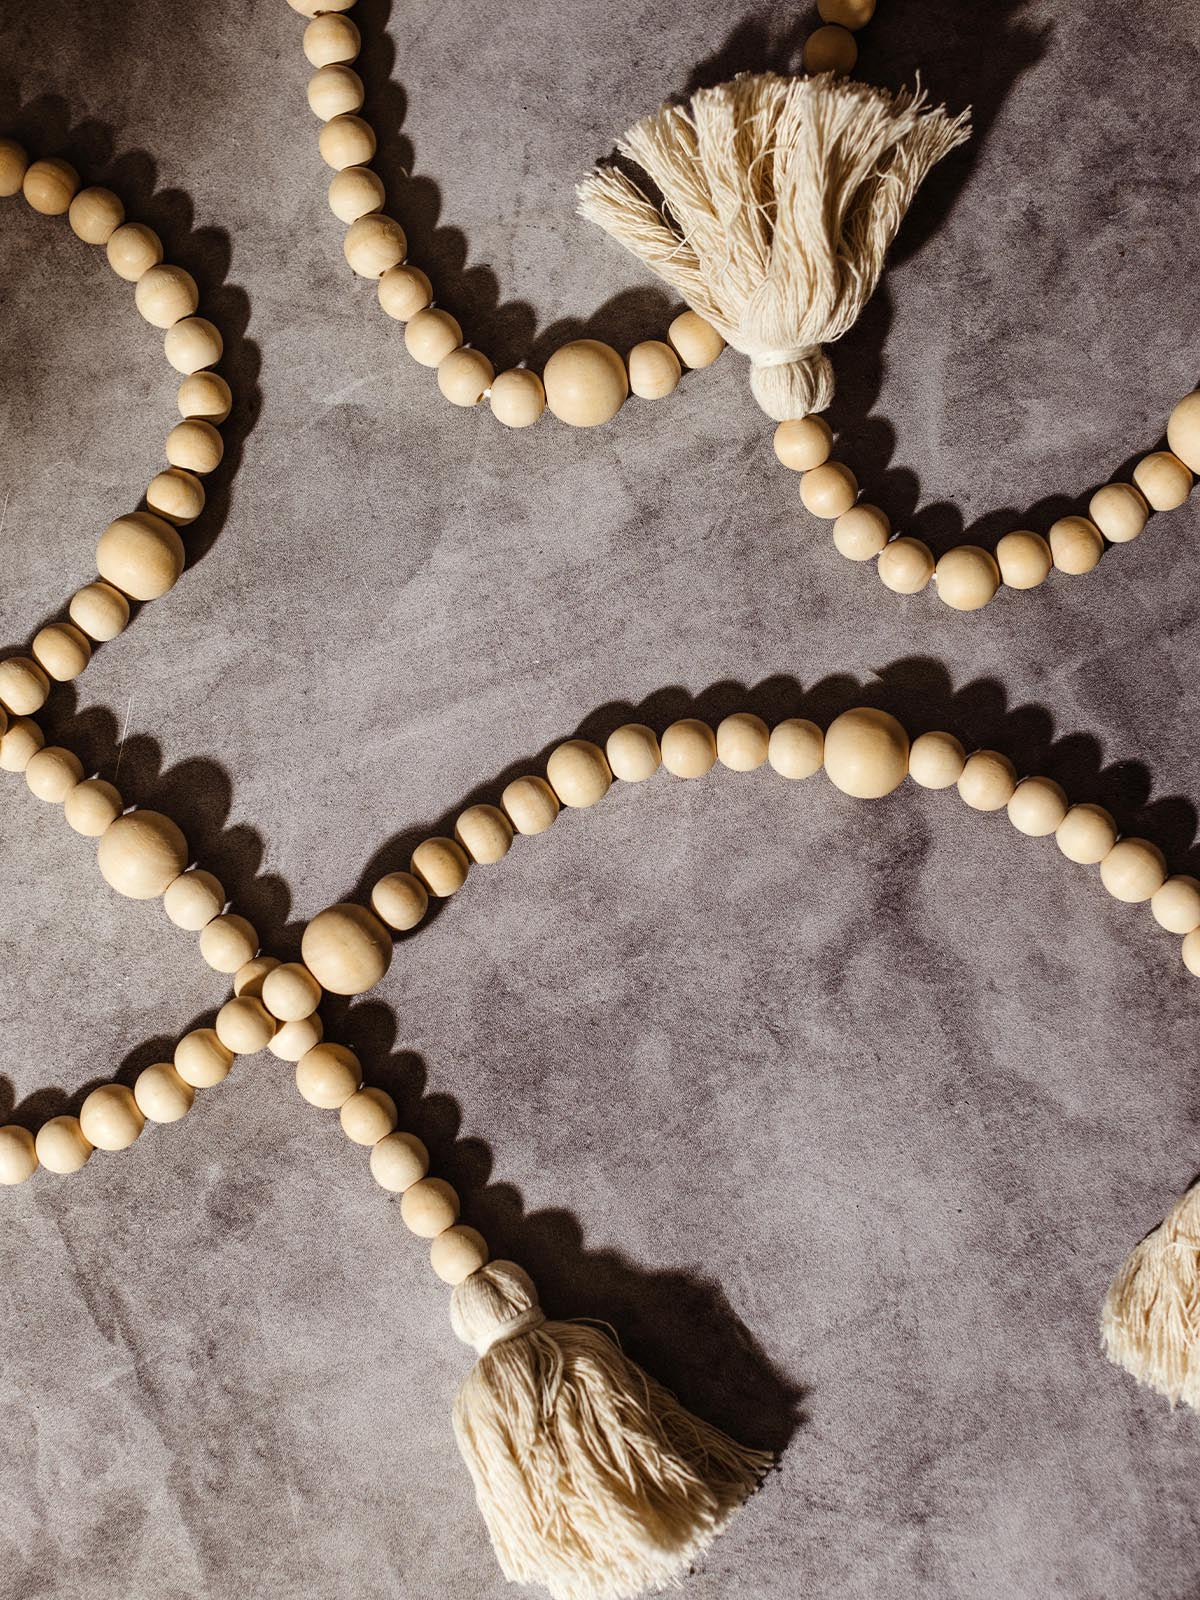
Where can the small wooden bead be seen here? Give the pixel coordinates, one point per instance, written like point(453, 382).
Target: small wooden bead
point(1075, 544)
point(176, 496)
point(161, 1094)
point(356, 192)
point(743, 741)
point(335, 90)
point(1119, 511)
point(346, 142)
point(13, 165)
point(201, 1059)
point(485, 833)
point(967, 577)
point(936, 760)
point(695, 341)
point(228, 942)
point(654, 370)
point(346, 949)
point(398, 1161)
point(866, 753)
point(578, 772)
point(403, 291)
point(463, 376)
point(585, 383)
point(244, 1025)
point(429, 1207)
point(95, 214)
point(193, 344)
point(847, 13)
point(1190, 950)
point(531, 804)
point(330, 39)
point(18, 1154)
point(1133, 869)
point(632, 752)
point(796, 748)
point(457, 1253)
point(368, 1116)
point(373, 244)
point(517, 398)
point(293, 1040)
point(61, 1146)
point(165, 295)
point(110, 1117)
point(1037, 807)
point(92, 806)
point(140, 853)
point(252, 975)
point(328, 1075)
point(803, 443)
point(50, 185)
point(905, 566)
point(987, 781)
point(430, 335)
point(101, 611)
point(1176, 905)
point(400, 899)
point(1163, 479)
point(1024, 559)
point(23, 686)
point(205, 395)
point(193, 900)
point(1086, 834)
point(830, 49)
point(52, 773)
point(132, 250)
point(861, 533)
point(19, 742)
point(62, 650)
point(291, 993)
point(1183, 431)
point(194, 445)
point(140, 554)
point(829, 490)
point(689, 748)
point(311, 8)
point(441, 865)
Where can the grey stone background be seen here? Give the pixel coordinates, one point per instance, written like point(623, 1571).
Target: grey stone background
point(844, 1116)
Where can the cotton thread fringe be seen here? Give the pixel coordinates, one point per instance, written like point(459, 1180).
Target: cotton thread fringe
point(1150, 1324)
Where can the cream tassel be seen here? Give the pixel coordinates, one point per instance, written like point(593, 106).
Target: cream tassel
point(592, 1478)
point(1151, 1319)
point(780, 198)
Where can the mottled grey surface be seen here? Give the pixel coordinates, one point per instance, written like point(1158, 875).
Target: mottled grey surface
point(844, 1116)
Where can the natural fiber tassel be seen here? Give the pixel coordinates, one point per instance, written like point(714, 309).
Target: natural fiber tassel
point(1151, 1319)
point(592, 1478)
point(780, 198)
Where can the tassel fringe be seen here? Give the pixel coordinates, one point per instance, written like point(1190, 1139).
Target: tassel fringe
point(1150, 1324)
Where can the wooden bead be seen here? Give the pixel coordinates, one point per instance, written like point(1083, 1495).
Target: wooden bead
point(803, 443)
point(429, 1207)
point(330, 39)
point(132, 249)
point(373, 244)
point(328, 1075)
point(193, 900)
point(368, 1116)
point(866, 753)
point(252, 975)
point(585, 383)
point(829, 490)
point(517, 398)
point(463, 376)
point(311, 8)
point(161, 1094)
point(176, 496)
point(13, 165)
point(696, 342)
point(1024, 559)
point(1163, 479)
point(430, 336)
point(403, 291)
point(194, 445)
point(335, 90)
point(1119, 511)
point(18, 1154)
point(141, 555)
point(165, 295)
point(485, 833)
point(346, 949)
point(632, 752)
point(346, 142)
point(19, 742)
point(140, 853)
point(1086, 834)
point(796, 748)
point(987, 781)
point(193, 344)
point(1075, 544)
point(689, 748)
point(52, 773)
point(847, 13)
point(290, 992)
point(1133, 869)
point(861, 533)
point(743, 741)
point(101, 611)
point(905, 566)
point(457, 1253)
point(441, 865)
point(355, 192)
point(1190, 951)
point(110, 1118)
point(830, 49)
point(400, 899)
point(531, 804)
point(95, 214)
point(92, 806)
point(228, 942)
point(61, 1146)
point(205, 395)
point(967, 577)
point(1037, 807)
point(293, 1040)
point(62, 651)
point(398, 1161)
point(654, 370)
point(578, 772)
point(936, 760)
point(23, 686)
point(1176, 905)
point(1183, 431)
point(244, 1025)
point(201, 1059)
point(50, 185)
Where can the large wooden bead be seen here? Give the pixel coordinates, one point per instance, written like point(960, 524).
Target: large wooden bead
point(405, 290)
point(579, 773)
point(193, 344)
point(330, 39)
point(1119, 511)
point(632, 752)
point(866, 753)
point(253, 974)
point(429, 1207)
point(1086, 834)
point(346, 142)
point(355, 192)
point(165, 295)
point(335, 90)
point(1037, 807)
point(585, 383)
point(796, 748)
point(862, 532)
point(485, 833)
point(398, 1161)
point(936, 760)
point(1176, 905)
point(101, 611)
point(654, 370)
point(95, 214)
point(1133, 869)
point(92, 806)
point(205, 395)
point(23, 686)
point(290, 992)
point(194, 445)
point(695, 341)
point(18, 1154)
point(905, 565)
point(531, 804)
point(13, 166)
point(201, 1059)
point(803, 443)
point(517, 398)
point(244, 1025)
point(457, 1253)
point(743, 741)
point(110, 1118)
point(193, 900)
point(62, 650)
point(430, 336)
point(227, 942)
point(400, 899)
point(829, 490)
point(689, 748)
point(328, 1075)
point(50, 185)
point(967, 577)
point(19, 743)
point(176, 496)
point(1075, 544)
point(987, 781)
point(368, 1116)
point(830, 49)
point(847, 13)
point(441, 865)
point(373, 244)
point(61, 1146)
point(293, 1040)
point(463, 376)
point(346, 949)
point(161, 1094)
point(52, 773)
point(141, 555)
point(140, 854)
point(1163, 479)
point(1024, 559)
point(1183, 431)
point(132, 250)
